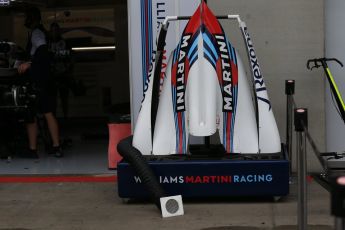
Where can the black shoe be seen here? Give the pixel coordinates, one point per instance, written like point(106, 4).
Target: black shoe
point(31, 153)
point(57, 151)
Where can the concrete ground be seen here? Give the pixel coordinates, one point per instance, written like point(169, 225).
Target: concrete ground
point(96, 206)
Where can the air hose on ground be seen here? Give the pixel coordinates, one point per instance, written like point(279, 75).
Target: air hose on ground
point(140, 166)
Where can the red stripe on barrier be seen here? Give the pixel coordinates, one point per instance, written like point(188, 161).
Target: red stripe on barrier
point(56, 179)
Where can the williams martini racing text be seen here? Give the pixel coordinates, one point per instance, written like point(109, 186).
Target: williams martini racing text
point(209, 179)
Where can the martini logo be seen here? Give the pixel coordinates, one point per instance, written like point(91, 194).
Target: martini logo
point(211, 179)
point(259, 81)
point(226, 73)
point(180, 76)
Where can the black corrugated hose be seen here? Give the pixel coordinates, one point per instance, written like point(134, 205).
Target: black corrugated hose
point(140, 166)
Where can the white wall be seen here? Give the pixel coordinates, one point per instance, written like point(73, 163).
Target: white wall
point(285, 34)
point(335, 47)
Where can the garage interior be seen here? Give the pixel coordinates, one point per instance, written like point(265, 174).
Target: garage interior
point(100, 90)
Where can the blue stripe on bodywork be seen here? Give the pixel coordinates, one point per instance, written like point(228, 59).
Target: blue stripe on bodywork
point(194, 58)
point(193, 53)
point(143, 45)
point(224, 129)
point(146, 46)
point(183, 134)
point(235, 91)
point(235, 57)
point(210, 44)
point(193, 48)
point(206, 47)
point(209, 57)
point(177, 51)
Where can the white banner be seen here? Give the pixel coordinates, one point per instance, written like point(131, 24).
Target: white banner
point(144, 17)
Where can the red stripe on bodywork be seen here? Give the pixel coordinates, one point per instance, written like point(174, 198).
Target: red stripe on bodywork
point(234, 70)
point(186, 67)
point(210, 20)
point(194, 23)
point(147, 37)
point(228, 134)
point(219, 71)
point(180, 143)
point(57, 179)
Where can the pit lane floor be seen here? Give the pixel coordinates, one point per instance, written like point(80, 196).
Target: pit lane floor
point(86, 206)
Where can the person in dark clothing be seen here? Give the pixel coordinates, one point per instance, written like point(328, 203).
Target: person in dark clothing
point(62, 66)
point(38, 69)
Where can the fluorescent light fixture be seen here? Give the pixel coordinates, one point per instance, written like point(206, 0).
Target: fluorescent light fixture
point(4, 2)
point(93, 48)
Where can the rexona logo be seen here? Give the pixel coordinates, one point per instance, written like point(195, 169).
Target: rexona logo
point(260, 86)
point(225, 179)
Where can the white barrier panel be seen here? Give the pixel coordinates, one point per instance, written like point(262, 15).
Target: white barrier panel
point(144, 17)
